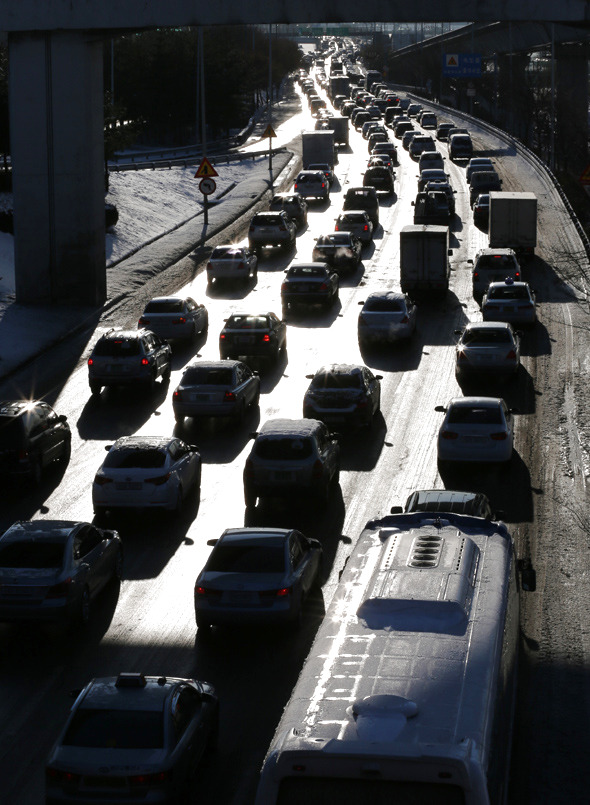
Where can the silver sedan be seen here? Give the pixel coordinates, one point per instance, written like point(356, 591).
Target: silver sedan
point(386, 316)
point(175, 318)
point(216, 388)
point(487, 348)
point(476, 430)
point(509, 301)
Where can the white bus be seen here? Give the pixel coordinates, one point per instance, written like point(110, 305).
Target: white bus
point(407, 696)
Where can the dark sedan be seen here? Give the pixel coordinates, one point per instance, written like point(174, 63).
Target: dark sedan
point(341, 250)
point(309, 284)
point(260, 335)
point(52, 570)
point(343, 395)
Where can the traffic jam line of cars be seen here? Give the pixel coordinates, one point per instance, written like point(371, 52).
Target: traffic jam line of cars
point(53, 570)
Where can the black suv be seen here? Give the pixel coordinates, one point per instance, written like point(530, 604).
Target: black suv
point(293, 204)
point(126, 357)
point(32, 436)
point(363, 198)
point(379, 178)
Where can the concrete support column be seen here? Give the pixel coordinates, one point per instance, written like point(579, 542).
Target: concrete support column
point(514, 100)
point(56, 132)
point(571, 106)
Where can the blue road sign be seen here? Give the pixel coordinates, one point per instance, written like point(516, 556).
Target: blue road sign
point(462, 65)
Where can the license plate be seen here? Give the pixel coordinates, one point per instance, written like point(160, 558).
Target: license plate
point(115, 368)
point(199, 397)
point(240, 597)
point(282, 475)
point(245, 339)
point(474, 439)
point(105, 782)
point(20, 592)
point(128, 485)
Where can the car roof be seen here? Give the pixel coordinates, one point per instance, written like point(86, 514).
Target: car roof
point(346, 213)
point(39, 530)
point(487, 252)
point(103, 693)
point(205, 364)
point(340, 369)
point(124, 334)
point(511, 284)
point(480, 402)
point(289, 427)
point(143, 442)
point(168, 299)
point(17, 407)
point(488, 325)
point(234, 535)
point(386, 295)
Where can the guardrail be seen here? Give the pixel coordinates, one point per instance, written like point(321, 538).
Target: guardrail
point(193, 160)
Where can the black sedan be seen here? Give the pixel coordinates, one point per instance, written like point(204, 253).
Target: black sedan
point(308, 284)
point(253, 335)
point(341, 250)
point(343, 395)
point(52, 570)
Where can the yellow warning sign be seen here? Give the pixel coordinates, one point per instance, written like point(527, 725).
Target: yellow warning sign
point(269, 131)
point(452, 60)
point(205, 170)
point(585, 177)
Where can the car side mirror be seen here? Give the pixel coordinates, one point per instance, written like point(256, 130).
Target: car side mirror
point(396, 510)
point(413, 203)
point(360, 303)
point(253, 435)
point(107, 447)
point(440, 408)
point(378, 377)
point(309, 377)
point(515, 410)
point(212, 542)
point(470, 262)
point(62, 418)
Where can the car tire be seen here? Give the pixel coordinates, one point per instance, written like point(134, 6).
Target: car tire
point(118, 574)
point(100, 515)
point(36, 471)
point(178, 418)
point(178, 503)
point(166, 374)
point(250, 498)
point(83, 615)
point(256, 400)
point(95, 388)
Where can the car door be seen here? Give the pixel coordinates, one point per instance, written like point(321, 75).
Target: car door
point(508, 416)
point(90, 549)
point(183, 465)
point(40, 439)
point(371, 385)
point(303, 565)
point(246, 383)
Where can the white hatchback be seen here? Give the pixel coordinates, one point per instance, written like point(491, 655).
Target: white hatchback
point(476, 429)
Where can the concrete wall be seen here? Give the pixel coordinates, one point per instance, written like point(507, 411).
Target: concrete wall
point(19, 15)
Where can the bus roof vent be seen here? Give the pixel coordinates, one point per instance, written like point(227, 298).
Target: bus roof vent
point(425, 584)
point(382, 717)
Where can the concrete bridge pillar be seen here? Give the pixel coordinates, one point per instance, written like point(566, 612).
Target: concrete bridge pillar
point(571, 106)
point(514, 110)
point(56, 132)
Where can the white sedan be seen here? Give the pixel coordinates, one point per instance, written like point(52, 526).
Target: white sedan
point(476, 429)
point(146, 472)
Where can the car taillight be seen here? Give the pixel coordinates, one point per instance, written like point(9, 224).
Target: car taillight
point(499, 437)
point(366, 228)
point(90, 362)
point(180, 320)
point(284, 286)
point(59, 590)
point(282, 228)
point(461, 356)
point(207, 591)
point(295, 186)
point(266, 338)
point(511, 355)
point(229, 396)
point(176, 395)
point(101, 480)
point(361, 404)
point(475, 275)
point(158, 480)
point(318, 469)
point(405, 320)
point(517, 276)
point(241, 264)
point(222, 336)
point(449, 434)
point(336, 228)
point(143, 322)
point(324, 286)
point(156, 778)
point(323, 184)
point(61, 777)
point(209, 266)
point(251, 228)
point(145, 362)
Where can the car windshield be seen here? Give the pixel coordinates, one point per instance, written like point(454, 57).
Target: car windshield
point(307, 271)
point(476, 415)
point(116, 729)
point(247, 558)
point(486, 336)
point(11, 432)
point(143, 458)
point(117, 348)
point(508, 292)
point(384, 305)
point(337, 381)
point(352, 219)
point(247, 323)
point(165, 306)
point(202, 376)
point(267, 220)
point(38, 555)
point(286, 448)
point(226, 252)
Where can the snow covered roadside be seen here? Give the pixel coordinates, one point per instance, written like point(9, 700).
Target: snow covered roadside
point(160, 208)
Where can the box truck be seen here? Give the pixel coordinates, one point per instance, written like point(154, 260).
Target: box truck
point(424, 258)
point(317, 147)
point(513, 222)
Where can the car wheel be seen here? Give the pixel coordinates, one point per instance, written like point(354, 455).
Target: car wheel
point(249, 498)
point(95, 388)
point(83, 616)
point(179, 418)
point(203, 626)
point(179, 501)
point(118, 574)
point(166, 374)
point(36, 471)
point(256, 401)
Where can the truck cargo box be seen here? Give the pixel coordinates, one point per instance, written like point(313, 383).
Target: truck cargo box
point(317, 147)
point(424, 258)
point(513, 222)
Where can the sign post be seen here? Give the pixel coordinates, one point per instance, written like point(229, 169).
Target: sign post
point(206, 172)
point(270, 133)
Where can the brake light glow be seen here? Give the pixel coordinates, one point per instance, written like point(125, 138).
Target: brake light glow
point(229, 396)
point(266, 338)
point(283, 592)
point(142, 322)
point(324, 286)
point(366, 228)
point(158, 480)
point(222, 337)
point(449, 434)
point(176, 394)
point(59, 590)
point(499, 437)
point(180, 320)
point(207, 591)
point(157, 778)
point(101, 480)
point(145, 362)
point(90, 362)
point(58, 776)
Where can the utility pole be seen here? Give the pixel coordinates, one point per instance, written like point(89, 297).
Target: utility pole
point(270, 100)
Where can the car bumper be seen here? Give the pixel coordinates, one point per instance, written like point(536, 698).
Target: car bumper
point(121, 379)
point(172, 332)
point(207, 409)
point(227, 615)
point(55, 795)
point(164, 497)
point(305, 299)
point(385, 335)
point(53, 611)
point(487, 369)
point(512, 317)
point(485, 452)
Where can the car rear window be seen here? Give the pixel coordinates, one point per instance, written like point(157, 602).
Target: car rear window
point(38, 555)
point(267, 220)
point(226, 252)
point(384, 305)
point(117, 348)
point(464, 415)
point(247, 323)
point(307, 271)
point(508, 292)
point(495, 261)
point(200, 376)
point(239, 558)
point(116, 729)
point(286, 448)
point(487, 337)
point(12, 432)
point(165, 306)
point(337, 381)
point(129, 457)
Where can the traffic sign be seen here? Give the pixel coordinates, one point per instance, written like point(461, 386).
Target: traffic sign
point(207, 186)
point(269, 131)
point(462, 65)
point(585, 177)
point(205, 169)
